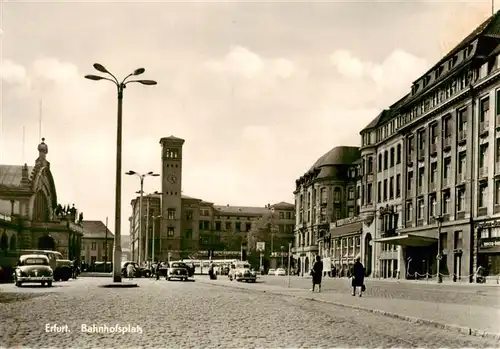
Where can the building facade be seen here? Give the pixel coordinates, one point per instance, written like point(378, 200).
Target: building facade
point(97, 243)
point(180, 226)
point(444, 207)
point(324, 194)
point(30, 217)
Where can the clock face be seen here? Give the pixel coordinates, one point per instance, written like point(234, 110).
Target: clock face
point(172, 178)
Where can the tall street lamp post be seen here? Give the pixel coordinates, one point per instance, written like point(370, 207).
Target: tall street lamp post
point(148, 199)
point(154, 237)
point(120, 86)
point(282, 249)
point(439, 256)
point(141, 192)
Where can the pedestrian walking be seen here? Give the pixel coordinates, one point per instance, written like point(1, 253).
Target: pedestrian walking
point(157, 270)
point(317, 273)
point(358, 277)
point(130, 271)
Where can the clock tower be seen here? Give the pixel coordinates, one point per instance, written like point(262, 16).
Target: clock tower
point(171, 203)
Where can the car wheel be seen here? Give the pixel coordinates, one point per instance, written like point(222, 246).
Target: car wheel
point(43, 283)
point(18, 283)
point(49, 284)
point(168, 279)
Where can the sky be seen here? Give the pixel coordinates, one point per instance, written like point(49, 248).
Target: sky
point(259, 90)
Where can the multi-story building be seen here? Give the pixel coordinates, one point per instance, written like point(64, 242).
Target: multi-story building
point(430, 163)
point(324, 194)
point(97, 242)
point(188, 227)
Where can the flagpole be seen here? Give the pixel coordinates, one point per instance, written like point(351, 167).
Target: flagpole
point(40, 122)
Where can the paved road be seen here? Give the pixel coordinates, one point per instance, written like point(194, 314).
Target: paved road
point(468, 294)
point(199, 315)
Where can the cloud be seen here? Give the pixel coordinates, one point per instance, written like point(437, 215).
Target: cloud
point(12, 73)
point(55, 70)
point(242, 62)
point(394, 75)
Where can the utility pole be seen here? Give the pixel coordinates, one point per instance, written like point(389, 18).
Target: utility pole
point(439, 220)
point(106, 244)
point(146, 255)
point(289, 256)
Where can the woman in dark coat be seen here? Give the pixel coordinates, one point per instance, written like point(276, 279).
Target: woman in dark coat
point(358, 277)
point(317, 273)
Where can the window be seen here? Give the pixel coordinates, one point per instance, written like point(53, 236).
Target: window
point(497, 192)
point(392, 157)
point(369, 193)
point(350, 211)
point(434, 133)
point(484, 112)
point(350, 194)
point(483, 195)
point(409, 211)
point(370, 165)
point(171, 213)
point(238, 226)
point(170, 231)
point(379, 162)
point(446, 170)
point(446, 202)
point(421, 140)
point(379, 192)
point(358, 192)
point(410, 147)
point(410, 180)
point(324, 196)
point(461, 200)
point(385, 189)
point(420, 209)
point(398, 154)
point(336, 195)
point(93, 247)
point(433, 173)
point(218, 226)
point(421, 176)
point(432, 206)
point(386, 160)
point(391, 188)
point(483, 156)
point(398, 185)
point(188, 234)
point(189, 215)
point(282, 215)
point(229, 225)
point(338, 214)
point(462, 120)
point(447, 126)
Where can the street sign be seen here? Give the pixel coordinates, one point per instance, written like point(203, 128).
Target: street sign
point(261, 246)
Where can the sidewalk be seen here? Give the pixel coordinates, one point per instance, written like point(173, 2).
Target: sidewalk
point(469, 319)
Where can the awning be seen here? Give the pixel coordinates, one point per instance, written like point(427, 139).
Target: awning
point(346, 229)
point(494, 249)
point(408, 240)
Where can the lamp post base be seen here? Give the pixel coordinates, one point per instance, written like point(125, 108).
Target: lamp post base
point(117, 260)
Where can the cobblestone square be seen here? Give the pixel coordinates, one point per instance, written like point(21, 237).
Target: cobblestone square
point(198, 315)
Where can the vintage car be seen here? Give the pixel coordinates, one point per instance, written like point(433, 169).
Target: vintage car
point(33, 268)
point(178, 270)
point(63, 268)
point(139, 271)
point(241, 271)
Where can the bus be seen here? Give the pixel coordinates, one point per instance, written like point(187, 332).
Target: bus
point(201, 265)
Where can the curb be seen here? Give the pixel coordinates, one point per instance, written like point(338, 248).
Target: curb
point(450, 327)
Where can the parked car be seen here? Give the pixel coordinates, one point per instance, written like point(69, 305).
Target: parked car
point(178, 270)
point(280, 272)
point(33, 268)
point(139, 271)
point(271, 272)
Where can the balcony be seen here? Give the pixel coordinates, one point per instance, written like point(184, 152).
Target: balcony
point(447, 143)
point(483, 127)
point(483, 172)
point(462, 136)
point(433, 149)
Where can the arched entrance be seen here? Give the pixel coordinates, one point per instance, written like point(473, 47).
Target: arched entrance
point(306, 265)
point(4, 242)
point(299, 265)
point(368, 253)
point(46, 242)
point(13, 242)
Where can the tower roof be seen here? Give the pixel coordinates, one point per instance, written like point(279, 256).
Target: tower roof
point(171, 140)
